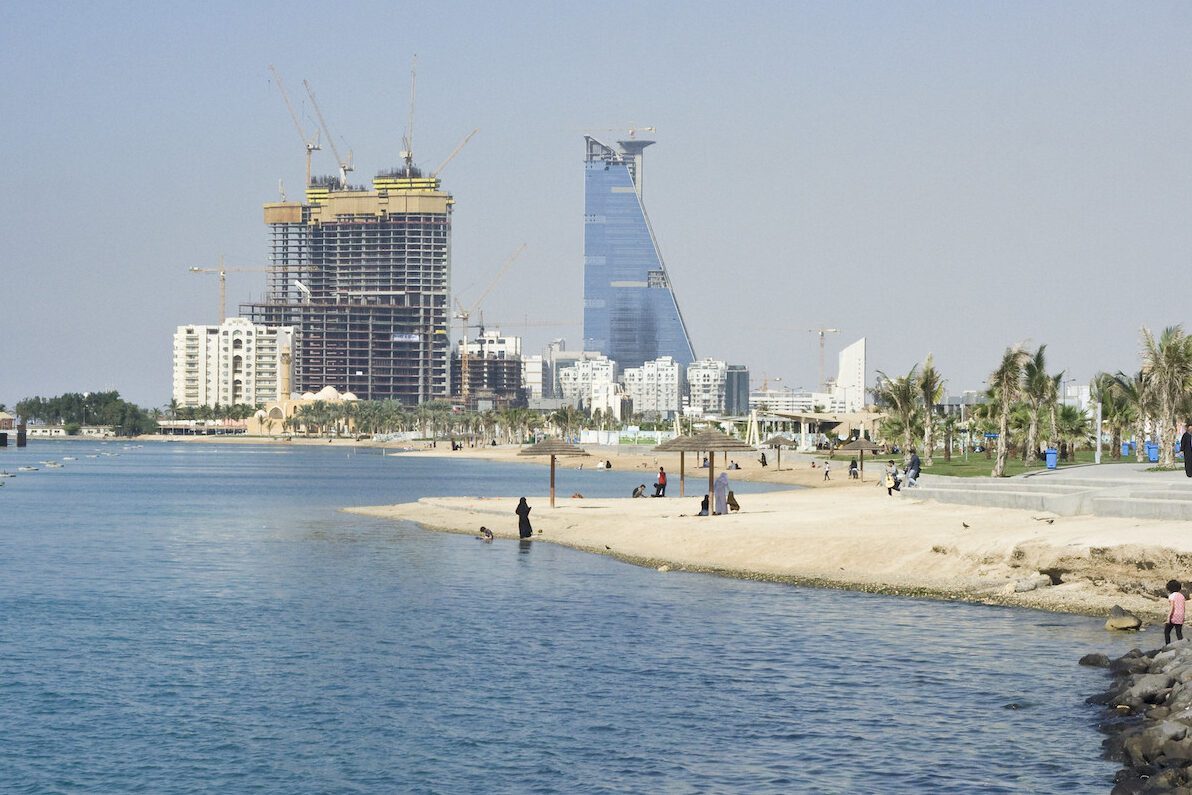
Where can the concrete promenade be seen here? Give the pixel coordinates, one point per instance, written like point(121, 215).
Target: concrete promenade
point(1126, 490)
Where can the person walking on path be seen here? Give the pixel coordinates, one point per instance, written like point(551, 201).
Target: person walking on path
point(827, 470)
point(1175, 613)
point(912, 469)
point(660, 484)
point(1186, 448)
point(523, 519)
point(720, 493)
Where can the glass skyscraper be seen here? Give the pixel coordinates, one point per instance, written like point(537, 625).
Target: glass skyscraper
point(630, 312)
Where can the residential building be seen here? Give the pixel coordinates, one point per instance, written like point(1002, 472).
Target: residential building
point(363, 274)
point(491, 343)
point(630, 311)
point(536, 378)
point(578, 380)
point(705, 386)
point(493, 382)
point(795, 401)
point(236, 362)
point(657, 387)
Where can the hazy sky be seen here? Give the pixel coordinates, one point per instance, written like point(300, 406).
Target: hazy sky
point(938, 177)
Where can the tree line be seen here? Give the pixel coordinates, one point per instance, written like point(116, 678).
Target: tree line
point(74, 410)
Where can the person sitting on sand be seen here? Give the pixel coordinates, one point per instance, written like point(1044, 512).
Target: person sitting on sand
point(705, 464)
point(733, 505)
point(733, 465)
point(852, 470)
point(640, 491)
point(703, 506)
point(485, 534)
point(891, 481)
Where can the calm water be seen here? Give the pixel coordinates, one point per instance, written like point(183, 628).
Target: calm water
point(185, 618)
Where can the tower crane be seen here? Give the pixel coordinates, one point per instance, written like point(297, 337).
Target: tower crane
point(222, 271)
point(407, 141)
point(344, 165)
point(311, 143)
point(454, 152)
point(821, 332)
point(465, 315)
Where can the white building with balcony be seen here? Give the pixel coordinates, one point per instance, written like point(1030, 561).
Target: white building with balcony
point(657, 387)
point(235, 362)
point(705, 384)
point(579, 381)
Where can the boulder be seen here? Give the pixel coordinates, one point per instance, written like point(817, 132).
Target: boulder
point(1122, 619)
point(1095, 660)
point(1146, 689)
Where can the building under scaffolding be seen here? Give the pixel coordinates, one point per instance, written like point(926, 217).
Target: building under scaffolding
point(364, 276)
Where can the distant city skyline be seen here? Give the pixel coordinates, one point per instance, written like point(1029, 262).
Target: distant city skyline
point(946, 179)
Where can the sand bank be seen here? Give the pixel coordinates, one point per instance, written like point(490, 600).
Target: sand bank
point(855, 536)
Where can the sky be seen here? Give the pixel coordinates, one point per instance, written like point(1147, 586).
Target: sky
point(942, 178)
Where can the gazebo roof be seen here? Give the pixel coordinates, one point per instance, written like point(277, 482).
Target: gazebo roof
point(779, 441)
point(704, 441)
point(552, 446)
point(860, 444)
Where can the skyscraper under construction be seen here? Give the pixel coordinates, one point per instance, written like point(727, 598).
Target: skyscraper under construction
point(630, 311)
point(363, 275)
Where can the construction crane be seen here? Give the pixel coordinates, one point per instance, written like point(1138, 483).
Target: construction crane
point(465, 315)
point(631, 130)
point(310, 143)
point(454, 152)
point(222, 271)
point(822, 332)
point(344, 165)
point(407, 141)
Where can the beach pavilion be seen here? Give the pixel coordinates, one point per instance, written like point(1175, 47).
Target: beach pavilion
point(553, 447)
point(709, 441)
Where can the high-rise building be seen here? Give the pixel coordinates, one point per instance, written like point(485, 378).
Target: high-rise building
point(630, 311)
point(656, 388)
point(233, 363)
point(364, 275)
point(705, 384)
point(849, 388)
point(736, 390)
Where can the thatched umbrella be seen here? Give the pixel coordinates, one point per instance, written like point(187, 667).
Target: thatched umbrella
point(712, 441)
point(552, 447)
point(779, 442)
point(861, 445)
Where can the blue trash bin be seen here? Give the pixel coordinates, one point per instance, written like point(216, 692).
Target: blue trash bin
point(1053, 457)
point(1152, 453)
point(1125, 449)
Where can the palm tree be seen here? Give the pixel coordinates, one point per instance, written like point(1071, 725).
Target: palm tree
point(931, 390)
point(1104, 389)
point(900, 396)
point(948, 425)
point(1074, 427)
point(1036, 389)
point(1006, 384)
point(1168, 363)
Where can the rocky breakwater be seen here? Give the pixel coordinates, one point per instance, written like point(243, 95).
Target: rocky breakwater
point(1150, 726)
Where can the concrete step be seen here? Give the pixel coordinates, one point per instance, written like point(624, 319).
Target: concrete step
point(1143, 508)
point(996, 498)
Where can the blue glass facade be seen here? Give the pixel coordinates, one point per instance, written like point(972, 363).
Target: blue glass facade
point(630, 312)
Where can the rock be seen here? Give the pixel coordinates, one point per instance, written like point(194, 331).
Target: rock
point(1122, 619)
point(1095, 660)
point(664, 568)
point(1146, 689)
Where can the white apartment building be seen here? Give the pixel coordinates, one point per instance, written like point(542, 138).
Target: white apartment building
point(849, 387)
point(795, 401)
point(234, 362)
point(705, 384)
point(536, 377)
point(578, 381)
point(656, 387)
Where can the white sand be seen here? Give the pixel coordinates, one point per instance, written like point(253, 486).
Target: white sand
point(848, 535)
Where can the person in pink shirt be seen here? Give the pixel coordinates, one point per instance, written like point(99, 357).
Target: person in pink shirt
point(1175, 614)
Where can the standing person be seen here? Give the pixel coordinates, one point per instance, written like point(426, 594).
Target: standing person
point(720, 492)
point(852, 469)
point(1186, 448)
point(1175, 613)
point(660, 484)
point(523, 519)
point(827, 470)
point(762, 460)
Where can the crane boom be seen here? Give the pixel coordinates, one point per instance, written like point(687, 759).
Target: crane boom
point(821, 332)
point(407, 141)
point(311, 144)
point(454, 152)
point(223, 271)
point(344, 165)
point(466, 314)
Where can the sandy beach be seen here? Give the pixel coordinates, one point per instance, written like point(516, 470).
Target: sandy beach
point(844, 534)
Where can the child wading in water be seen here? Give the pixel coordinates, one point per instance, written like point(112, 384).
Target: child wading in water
point(1175, 614)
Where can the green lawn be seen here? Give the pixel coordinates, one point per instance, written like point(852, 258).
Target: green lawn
point(980, 466)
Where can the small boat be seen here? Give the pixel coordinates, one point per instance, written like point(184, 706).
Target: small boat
point(93, 455)
point(69, 458)
point(53, 465)
point(6, 474)
point(26, 469)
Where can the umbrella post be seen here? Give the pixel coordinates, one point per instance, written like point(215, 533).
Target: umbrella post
point(681, 454)
point(862, 466)
point(778, 466)
point(552, 481)
point(711, 470)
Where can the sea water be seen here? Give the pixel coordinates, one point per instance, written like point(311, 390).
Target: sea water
point(203, 618)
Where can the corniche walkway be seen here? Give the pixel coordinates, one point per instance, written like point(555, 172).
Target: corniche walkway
point(1127, 490)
